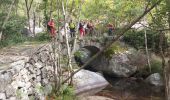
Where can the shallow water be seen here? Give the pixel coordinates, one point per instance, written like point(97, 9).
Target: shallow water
point(130, 89)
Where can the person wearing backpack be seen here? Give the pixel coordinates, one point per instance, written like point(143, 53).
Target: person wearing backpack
point(72, 28)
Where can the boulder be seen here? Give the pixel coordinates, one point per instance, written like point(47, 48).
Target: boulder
point(88, 83)
point(155, 80)
point(120, 64)
point(96, 98)
point(84, 54)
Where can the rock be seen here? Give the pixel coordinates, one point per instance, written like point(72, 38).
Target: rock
point(2, 96)
point(45, 81)
point(24, 71)
point(155, 80)
point(38, 79)
point(5, 79)
point(88, 83)
point(10, 91)
point(21, 84)
point(28, 84)
point(38, 72)
point(95, 98)
point(38, 65)
point(84, 54)
point(12, 98)
point(121, 64)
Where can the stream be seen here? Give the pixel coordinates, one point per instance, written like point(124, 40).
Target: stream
point(131, 89)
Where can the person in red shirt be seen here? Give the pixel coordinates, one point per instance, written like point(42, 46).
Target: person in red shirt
point(51, 24)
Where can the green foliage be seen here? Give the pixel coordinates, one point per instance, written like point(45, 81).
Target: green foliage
point(78, 54)
point(65, 93)
point(156, 66)
point(12, 31)
point(114, 49)
point(42, 37)
point(17, 38)
point(137, 39)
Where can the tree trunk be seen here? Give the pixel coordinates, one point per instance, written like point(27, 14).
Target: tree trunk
point(67, 42)
point(147, 53)
point(34, 19)
point(167, 80)
point(6, 19)
point(28, 7)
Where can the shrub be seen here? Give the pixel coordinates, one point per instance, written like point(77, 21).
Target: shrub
point(42, 37)
point(137, 39)
point(11, 31)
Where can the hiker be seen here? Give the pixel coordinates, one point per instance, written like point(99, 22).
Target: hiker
point(51, 26)
point(110, 29)
point(81, 29)
point(72, 28)
point(90, 28)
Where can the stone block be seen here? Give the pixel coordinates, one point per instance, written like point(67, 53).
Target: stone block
point(12, 98)
point(38, 65)
point(24, 71)
point(38, 72)
point(10, 91)
point(27, 85)
point(2, 96)
point(38, 78)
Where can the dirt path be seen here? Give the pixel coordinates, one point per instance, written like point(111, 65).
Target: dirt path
point(18, 52)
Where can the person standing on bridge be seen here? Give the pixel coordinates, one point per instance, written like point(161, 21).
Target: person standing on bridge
point(72, 29)
point(51, 26)
point(81, 29)
point(110, 29)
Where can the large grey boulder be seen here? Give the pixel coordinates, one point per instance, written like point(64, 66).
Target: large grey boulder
point(88, 83)
point(120, 64)
point(155, 80)
point(95, 98)
point(84, 54)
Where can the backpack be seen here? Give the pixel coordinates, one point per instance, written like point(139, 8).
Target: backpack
point(71, 25)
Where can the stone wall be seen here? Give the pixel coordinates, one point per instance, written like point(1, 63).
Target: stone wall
point(28, 78)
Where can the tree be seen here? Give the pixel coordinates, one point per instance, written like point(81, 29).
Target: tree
point(6, 19)
point(28, 5)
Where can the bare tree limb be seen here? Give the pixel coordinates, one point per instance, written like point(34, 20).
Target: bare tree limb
point(126, 28)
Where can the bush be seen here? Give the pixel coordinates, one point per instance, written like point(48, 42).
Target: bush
point(137, 39)
point(156, 67)
point(11, 31)
point(17, 38)
point(42, 37)
point(66, 93)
